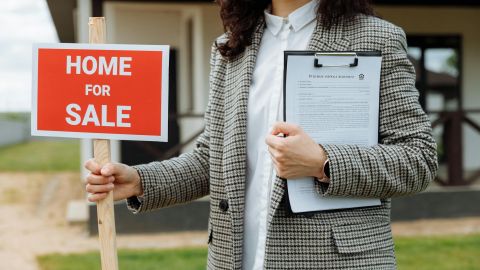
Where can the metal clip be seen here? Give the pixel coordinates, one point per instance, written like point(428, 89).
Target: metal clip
point(316, 62)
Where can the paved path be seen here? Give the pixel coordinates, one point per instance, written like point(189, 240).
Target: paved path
point(28, 230)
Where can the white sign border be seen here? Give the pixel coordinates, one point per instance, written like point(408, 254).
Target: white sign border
point(165, 49)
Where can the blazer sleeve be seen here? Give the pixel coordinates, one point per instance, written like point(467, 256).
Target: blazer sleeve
point(405, 160)
point(177, 180)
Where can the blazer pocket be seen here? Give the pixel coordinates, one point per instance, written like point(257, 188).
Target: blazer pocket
point(354, 238)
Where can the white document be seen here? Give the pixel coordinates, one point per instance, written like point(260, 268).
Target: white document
point(334, 104)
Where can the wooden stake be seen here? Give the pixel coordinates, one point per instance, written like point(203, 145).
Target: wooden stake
point(101, 153)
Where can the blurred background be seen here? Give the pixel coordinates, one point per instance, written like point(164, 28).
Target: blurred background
point(46, 222)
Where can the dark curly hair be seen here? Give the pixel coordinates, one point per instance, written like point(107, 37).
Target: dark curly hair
point(240, 18)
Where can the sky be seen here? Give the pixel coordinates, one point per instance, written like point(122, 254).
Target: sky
point(22, 23)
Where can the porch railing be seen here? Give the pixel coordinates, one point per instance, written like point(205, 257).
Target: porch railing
point(453, 143)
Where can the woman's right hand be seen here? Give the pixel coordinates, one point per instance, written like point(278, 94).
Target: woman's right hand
point(122, 179)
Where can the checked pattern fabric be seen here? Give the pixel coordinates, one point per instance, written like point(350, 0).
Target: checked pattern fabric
point(403, 163)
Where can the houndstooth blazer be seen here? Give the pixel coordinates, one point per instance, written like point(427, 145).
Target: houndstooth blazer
point(404, 162)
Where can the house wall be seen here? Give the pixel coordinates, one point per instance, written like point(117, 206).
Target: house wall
point(189, 28)
point(161, 23)
point(448, 20)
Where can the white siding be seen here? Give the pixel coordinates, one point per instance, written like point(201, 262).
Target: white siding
point(448, 20)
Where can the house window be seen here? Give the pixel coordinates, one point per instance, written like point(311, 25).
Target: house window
point(437, 62)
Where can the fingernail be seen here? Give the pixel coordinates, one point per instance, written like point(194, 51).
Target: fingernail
point(111, 179)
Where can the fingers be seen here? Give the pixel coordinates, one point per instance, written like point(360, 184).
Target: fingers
point(285, 128)
point(97, 197)
point(111, 169)
point(274, 141)
point(276, 149)
point(277, 157)
point(108, 169)
point(279, 167)
point(99, 188)
point(94, 179)
point(93, 166)
point(100, 181)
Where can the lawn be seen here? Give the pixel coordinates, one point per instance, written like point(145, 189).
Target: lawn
point(439, 253)
point(191, 258)
point(45, 156)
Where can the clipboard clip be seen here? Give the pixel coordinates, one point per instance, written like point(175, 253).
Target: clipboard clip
point(316, 62)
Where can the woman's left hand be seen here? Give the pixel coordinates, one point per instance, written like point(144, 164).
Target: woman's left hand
point(296, 155)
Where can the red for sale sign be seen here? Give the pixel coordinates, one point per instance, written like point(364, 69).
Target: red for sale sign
point(100, 91)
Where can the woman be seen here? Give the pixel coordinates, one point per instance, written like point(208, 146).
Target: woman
point(241, 163)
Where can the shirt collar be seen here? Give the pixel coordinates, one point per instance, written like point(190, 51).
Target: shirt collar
point(299, 18)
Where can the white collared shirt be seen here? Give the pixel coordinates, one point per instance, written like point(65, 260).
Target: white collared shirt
point(264, 109)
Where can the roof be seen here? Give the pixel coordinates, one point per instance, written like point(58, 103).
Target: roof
point(62, 11)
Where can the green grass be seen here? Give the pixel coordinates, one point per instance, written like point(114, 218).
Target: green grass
point(438, 253)
point(45, 156)
point(191, 258)
point(425, 253)
point(15, 116)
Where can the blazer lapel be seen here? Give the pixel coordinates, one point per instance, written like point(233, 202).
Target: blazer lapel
point(322, 39)
point(237, 84)
point(331, 39)
point(238, 79)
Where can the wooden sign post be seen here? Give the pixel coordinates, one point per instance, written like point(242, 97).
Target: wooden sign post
point(105, 213)
point(101, 91)
point(102, 155)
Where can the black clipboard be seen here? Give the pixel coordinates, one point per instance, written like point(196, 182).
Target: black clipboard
point(317, 63)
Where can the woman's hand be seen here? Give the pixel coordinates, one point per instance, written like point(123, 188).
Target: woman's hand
point(122, 179)
point(297, 155)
